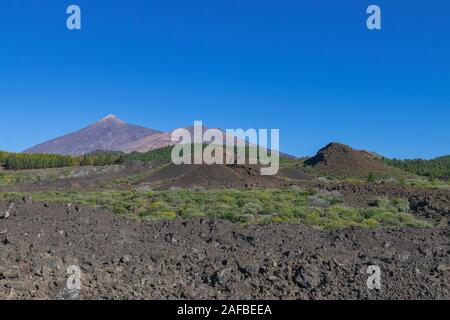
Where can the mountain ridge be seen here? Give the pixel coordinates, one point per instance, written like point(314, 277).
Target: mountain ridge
point(108, 134)
point(112, 134)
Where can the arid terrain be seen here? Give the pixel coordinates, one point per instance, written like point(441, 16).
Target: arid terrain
point(144, 228)
point(224, 158)
point(202, 258)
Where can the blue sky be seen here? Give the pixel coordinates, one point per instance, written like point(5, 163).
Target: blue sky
point(310, 68)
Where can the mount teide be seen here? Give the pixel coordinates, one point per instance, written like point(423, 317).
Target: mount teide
point(113, 134)
point(109, 134)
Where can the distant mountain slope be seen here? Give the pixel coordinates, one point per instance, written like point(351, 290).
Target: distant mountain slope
point(341, 160)
point(164, 139)
point(148, 143)
point(110, 134)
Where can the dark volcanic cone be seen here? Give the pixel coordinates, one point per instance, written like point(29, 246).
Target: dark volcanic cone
point(341, 160)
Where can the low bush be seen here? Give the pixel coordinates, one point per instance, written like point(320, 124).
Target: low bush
point(243, 206)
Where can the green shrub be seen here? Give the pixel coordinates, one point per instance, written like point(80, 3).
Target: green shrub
point(402, 205)
point(395, 204)
point(371, 178)
point(168, 215)
point(191, 211)
point(248, 206)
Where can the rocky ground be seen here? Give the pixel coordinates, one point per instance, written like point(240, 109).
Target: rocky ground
point(203, 258)
point(432, 204)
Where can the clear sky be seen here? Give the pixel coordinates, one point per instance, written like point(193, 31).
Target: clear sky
point(310, 68)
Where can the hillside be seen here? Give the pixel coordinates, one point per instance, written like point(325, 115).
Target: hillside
point(164, 139)
point(113, 134)
point(436, 168)
point(109, 134)
point(337, 159)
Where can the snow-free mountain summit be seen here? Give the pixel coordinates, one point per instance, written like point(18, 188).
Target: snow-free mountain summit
point(113, 134)
point(110, 133)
